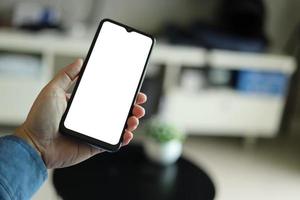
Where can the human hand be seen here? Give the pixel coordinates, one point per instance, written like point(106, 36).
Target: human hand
point(41, 128)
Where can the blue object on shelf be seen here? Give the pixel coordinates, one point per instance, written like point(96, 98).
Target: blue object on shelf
point(262, 82)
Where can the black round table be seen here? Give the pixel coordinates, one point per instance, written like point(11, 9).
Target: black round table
point(128, 174)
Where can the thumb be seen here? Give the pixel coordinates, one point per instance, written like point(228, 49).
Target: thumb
point(65, 76)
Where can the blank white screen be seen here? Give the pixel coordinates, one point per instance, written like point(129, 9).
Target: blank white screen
point(108, 85)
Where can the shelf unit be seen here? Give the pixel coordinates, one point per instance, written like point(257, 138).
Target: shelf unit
point(226, 112)
point(18, 93)
point(213, 112)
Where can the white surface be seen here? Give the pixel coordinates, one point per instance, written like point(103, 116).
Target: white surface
point(43, 43)
point(268, 172)
point(109, 83)
point(16, 65)
point(253, 61)
point(17, 96)
point(18, 92)
point(179, 55)
point(223, 112)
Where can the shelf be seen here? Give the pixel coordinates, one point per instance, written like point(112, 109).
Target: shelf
point(178, 55)
point(213, 112)
point(43, 42)
point(251, 61)
point(175, 55)
point(223, 112)
point(19, 90)
point(17, 96)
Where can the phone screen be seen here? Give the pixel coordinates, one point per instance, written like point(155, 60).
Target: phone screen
point(109, 83)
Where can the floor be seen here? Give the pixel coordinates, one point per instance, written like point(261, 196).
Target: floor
point(268, 170)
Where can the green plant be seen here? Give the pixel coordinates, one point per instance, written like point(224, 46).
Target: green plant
point(162, 132)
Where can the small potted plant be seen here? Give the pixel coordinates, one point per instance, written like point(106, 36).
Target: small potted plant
point(163, 142)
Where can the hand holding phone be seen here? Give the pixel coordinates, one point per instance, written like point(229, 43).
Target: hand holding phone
point(114, 68)
point(40, 129)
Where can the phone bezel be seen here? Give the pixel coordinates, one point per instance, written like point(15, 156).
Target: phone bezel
point(81, 136)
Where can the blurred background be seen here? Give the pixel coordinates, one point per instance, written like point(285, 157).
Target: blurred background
point(222, 86)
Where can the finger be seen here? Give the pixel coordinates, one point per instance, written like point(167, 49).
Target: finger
point(141, 98)
point(127, 138)
point(138, 111)
point(132, 123)
point(68, 96)
point(70, 90)
point(65, 76)
point(72, 85)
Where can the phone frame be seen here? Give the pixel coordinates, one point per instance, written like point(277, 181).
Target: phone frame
point(93, 141)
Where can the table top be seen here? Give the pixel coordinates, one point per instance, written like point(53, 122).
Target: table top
point(128, 174)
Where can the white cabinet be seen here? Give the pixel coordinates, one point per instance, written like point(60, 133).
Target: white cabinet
point(17, 96)
point(213, 112)
point(17, 93)
point(223, 112)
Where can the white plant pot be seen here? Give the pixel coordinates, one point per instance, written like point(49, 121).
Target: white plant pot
point(163, 153)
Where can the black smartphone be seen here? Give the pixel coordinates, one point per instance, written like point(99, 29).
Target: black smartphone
point(108, 84)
